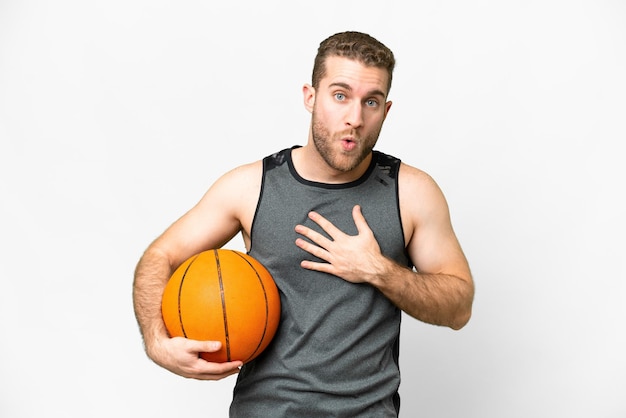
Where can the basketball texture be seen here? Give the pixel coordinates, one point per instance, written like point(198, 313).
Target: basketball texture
point(223, 295)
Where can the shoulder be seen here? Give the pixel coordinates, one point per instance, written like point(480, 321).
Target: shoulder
point(414, 184)
point(253, 172)
point(416, 179)
point(421, 198)
point(230, 201)
point(237, 185)
point(248, 178)
point(244, 173)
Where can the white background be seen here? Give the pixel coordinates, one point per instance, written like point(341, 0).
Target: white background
point(115, 116)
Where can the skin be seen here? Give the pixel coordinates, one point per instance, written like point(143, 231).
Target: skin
point(348, 110)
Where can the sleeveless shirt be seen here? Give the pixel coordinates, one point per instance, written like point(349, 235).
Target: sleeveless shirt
point(336, 350)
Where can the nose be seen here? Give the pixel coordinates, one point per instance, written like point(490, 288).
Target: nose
point(354, 115)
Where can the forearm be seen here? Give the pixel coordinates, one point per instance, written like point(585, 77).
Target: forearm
point(438, 299)
point(178, 355)
point(151, 276)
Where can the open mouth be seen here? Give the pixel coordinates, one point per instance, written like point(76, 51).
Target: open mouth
point(348, 144)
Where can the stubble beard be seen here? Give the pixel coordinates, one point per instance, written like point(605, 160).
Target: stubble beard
point(340, 160)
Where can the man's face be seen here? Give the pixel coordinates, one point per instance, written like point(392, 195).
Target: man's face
point(348, 111)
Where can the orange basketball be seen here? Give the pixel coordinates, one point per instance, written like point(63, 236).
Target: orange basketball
point(223, 295)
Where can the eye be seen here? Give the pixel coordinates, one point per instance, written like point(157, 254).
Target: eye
point(340, 97)
point(371, 103)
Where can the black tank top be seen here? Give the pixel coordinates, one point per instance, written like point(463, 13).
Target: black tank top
point(335, 352)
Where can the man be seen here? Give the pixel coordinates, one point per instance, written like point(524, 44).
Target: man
point(351, 236)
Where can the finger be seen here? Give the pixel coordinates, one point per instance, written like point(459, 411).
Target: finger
point(204, 346)
point(218, 376)
point(359, 219)
point(325, 224)
point(214, 371)
point(323, 267)
point(315, 250)
point(227, 368)
point(314, 236)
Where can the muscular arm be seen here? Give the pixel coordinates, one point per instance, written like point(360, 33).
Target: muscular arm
point(178, 355)
point(439, 292)
point(435, 298)
point(223, 211)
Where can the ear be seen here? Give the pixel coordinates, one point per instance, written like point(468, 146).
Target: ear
point(387, 107)
point(308, 93)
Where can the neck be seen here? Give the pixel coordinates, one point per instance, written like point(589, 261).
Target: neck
point(312, 167)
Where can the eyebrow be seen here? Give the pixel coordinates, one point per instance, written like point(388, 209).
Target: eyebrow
point(347, 87)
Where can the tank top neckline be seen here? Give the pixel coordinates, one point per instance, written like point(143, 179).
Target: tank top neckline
point(337, 186)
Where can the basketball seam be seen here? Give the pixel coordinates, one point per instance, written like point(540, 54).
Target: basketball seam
point(223, 297)
point(180, 292)
point(266, 304)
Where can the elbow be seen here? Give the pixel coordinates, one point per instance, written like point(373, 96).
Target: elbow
point(464, 312)
point(460, 320)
